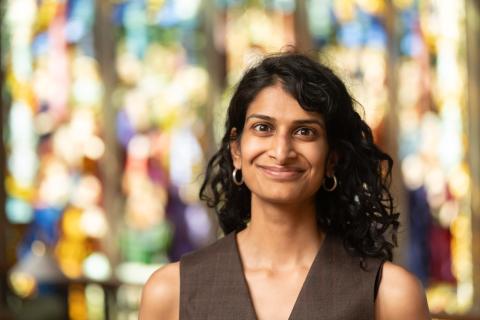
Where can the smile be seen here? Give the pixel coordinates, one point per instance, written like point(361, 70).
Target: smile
point(281, 172)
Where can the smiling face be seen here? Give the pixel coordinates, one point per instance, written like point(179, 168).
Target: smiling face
point(282, 150)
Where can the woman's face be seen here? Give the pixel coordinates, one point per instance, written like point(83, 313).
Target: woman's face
point(283, 149)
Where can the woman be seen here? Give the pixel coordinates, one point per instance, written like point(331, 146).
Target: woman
point(301, 192)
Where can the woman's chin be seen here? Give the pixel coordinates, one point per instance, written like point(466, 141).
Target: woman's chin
point(282, 198)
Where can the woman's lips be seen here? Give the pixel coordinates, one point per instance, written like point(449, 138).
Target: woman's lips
point(281, 172)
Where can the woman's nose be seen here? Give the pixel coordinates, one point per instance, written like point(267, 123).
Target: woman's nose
point(282, 148)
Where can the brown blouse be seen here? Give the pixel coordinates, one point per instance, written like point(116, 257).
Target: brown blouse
point(213, 286)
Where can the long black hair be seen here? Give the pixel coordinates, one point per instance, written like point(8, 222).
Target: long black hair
point(361, 209)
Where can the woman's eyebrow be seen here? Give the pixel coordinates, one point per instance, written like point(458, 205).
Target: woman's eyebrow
point(310, 121)
point(260, 116)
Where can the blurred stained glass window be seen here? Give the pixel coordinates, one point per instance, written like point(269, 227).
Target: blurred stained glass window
point(431, 112)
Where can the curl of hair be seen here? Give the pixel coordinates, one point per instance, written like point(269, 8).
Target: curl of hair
point(361, 209)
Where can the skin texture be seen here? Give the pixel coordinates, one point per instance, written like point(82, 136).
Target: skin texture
point(400, 295)
point(284, 156)
point(161, 294)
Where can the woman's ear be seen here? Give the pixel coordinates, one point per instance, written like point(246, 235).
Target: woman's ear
point(235, 148)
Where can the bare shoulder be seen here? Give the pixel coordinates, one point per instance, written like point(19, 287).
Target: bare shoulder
point(400, 295)
point(161, 294)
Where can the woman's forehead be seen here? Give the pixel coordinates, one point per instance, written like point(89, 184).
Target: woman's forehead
point(275, 103)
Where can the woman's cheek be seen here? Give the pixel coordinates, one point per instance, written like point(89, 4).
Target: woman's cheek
point(252, 149)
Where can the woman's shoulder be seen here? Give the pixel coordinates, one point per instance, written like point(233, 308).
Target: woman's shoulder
point(161, 294)
point(209, 254)
point(400, 295)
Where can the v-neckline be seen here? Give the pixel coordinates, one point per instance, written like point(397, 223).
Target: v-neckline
point(305, 283)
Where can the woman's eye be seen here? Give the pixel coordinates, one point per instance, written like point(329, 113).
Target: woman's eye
point(261, 127)
point(305, 132)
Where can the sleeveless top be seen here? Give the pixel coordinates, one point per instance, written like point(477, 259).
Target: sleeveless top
point(213, 286)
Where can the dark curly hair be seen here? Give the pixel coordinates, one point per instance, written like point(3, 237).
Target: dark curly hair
point(360, 210)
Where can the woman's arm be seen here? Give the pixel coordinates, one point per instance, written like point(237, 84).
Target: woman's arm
point(161, 294)
point(400, 296)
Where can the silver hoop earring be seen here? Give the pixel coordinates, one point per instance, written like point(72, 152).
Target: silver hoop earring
point(334, 185)
point(235, 179)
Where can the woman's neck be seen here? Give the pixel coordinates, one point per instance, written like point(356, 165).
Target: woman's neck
point(280, 235)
